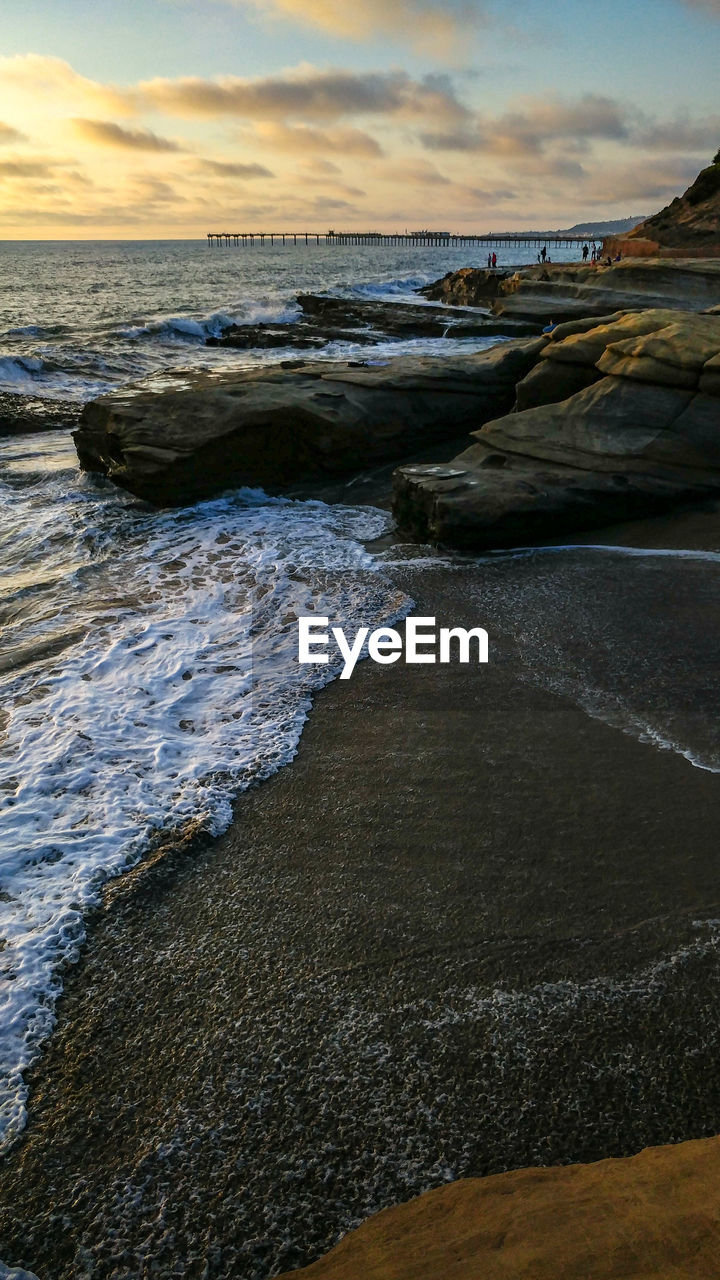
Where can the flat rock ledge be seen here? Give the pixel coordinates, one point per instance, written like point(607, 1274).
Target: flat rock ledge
point(293, 424)
point(652, 1216)
point(559, 292)
point(616, 420)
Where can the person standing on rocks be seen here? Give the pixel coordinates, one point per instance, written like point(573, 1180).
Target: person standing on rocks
point(586, 250)
point(489, 261)
point(494, 260)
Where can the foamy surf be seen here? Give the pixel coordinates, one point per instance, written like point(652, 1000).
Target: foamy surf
point(150, 675)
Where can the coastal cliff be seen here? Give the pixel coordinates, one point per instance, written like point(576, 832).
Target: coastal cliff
point(691, 220)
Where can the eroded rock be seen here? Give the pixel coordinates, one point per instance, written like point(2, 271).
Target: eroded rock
point(641, 435)
point(279, 427)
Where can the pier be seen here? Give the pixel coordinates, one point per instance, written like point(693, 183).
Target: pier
point(420, 239)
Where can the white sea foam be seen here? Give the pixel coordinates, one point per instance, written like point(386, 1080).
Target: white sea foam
point(20, 371)
point(152, 675)
point(15, 1273)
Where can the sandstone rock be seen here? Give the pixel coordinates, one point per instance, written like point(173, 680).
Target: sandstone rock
point(632, 442)
point(689, 221)
point(568, 363)
point(573, 345)
point(552, 380)
point(489, 498)
point(673, 356)
point(653, 1216)
point(278, 427)
point(468, 287)
point(563, 293)
point(613, 424)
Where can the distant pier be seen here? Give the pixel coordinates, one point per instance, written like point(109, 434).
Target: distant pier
point(419, 239)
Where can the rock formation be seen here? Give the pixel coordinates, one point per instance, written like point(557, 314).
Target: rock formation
point(281, 426)
point(325, 319)
point(566, 291)
point(652, 1216)
point(691, 222)
point(615, 420)
point(559, 293)
point(468, 287)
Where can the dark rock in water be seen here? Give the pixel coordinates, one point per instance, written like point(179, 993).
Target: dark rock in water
point(402, 319)
point(642, 434)
point(249, 337)
point(280, 427)
point(326, 319)
point(468, 287)
point(21, 415)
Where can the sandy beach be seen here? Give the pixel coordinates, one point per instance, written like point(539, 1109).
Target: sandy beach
point(467, 929)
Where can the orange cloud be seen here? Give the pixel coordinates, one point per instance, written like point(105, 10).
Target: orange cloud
point(304, 139)
point(308, 94)
point(439, 27)
point(107, 134)
point(53, 79)
point(233, 169)
point(8, 134)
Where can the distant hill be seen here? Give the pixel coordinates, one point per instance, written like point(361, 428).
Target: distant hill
point(690, 221)
point(617, 227)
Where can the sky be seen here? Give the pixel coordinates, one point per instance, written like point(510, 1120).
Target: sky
point(165, 119)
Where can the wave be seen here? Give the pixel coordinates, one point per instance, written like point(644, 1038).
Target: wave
point(178, 687)
point(194, 330)
point(20, 370)
point(380, 290)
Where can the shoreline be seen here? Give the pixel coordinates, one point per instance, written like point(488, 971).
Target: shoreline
point(395, 967)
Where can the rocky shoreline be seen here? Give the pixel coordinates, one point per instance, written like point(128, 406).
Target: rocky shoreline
point(614, 420)
point(432, 947)
point(408, 963)
point(602, 418)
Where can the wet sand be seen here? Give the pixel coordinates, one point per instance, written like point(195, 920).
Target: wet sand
point(465, 931)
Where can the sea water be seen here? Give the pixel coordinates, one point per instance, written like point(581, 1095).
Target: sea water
point(148, 659)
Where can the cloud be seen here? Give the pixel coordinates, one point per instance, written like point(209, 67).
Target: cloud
point(26, 168)
point(526, 131)
point(645, 181)
point(419, 173)
point(680, 135)
point(307, 94)
point(318, 165)
point(8, 134)
point(55, 80)
point(105, 133)
point(437, 27)
point(231, 169)
point(304, 139)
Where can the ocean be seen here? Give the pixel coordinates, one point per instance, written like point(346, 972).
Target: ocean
point(147, 659)
point(485, 938)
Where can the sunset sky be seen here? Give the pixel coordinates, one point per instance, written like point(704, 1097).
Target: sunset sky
point(169, 118)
